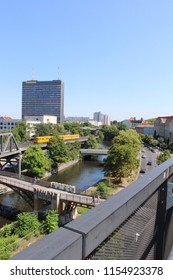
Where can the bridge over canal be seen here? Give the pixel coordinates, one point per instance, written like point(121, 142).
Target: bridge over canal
point(94, 151)
point(36, 193)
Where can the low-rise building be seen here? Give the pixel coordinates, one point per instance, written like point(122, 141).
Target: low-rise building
point(132, 122)
point(95, 123)
point(163, 127)
point(7, 123)
point(31, 121)
point(77, 119)
point(145, 128)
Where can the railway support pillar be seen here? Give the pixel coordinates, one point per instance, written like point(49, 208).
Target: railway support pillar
point(38, 204)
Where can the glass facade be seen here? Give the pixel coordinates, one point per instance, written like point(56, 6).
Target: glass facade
point(43, 98)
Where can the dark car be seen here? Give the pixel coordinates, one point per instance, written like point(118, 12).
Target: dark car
point(149, 163)
point(142, 170)
point(143, 156)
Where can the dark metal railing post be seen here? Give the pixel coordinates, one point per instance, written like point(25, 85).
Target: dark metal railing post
point(160, 221)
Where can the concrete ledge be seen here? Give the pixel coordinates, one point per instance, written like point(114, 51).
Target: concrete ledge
point(81, 236)
point(62, 244)
point(98, 223)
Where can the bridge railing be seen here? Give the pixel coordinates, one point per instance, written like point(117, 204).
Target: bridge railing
point(41, 182)
point(26, 178)
point(136, 223)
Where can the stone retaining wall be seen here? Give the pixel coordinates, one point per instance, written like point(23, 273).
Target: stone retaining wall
point(63, 166)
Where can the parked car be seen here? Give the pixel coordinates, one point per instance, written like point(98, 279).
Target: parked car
point(142, 170)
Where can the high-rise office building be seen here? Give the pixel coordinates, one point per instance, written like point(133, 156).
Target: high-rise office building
point(99, 117)
point(43, 98)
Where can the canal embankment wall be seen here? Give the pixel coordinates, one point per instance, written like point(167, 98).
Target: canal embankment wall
point(61, 167)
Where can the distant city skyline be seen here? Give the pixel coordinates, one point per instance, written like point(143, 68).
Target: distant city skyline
point(113, 56)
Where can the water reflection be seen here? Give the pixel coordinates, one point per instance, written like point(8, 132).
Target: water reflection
point(83, 174)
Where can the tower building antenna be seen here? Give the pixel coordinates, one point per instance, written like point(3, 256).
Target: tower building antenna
point(58, 72)
point(33, 74)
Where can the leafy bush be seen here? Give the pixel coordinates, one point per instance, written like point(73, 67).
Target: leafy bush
point(51, 221)
point(102, 190)
point(6, 231)
point(26, 223)
point(7, 246)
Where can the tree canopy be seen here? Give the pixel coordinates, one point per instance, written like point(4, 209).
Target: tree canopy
point(122, 156)
point(19, 132)
point(57, 150)
point(92, 143)
point(35, 161)
point(163, 157)
point(51, 221)
point(26, 222)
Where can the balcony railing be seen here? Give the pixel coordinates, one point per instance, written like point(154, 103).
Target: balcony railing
point(136, 223)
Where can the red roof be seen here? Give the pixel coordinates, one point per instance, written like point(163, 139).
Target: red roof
point(166, 119)
point(7, 118)
point(132, 119)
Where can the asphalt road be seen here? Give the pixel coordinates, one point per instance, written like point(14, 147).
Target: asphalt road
point(147, 156)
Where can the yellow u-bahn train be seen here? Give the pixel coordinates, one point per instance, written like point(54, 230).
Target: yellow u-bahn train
point(46, 139)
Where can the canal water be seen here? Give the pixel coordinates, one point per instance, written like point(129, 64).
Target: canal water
point(83, 175)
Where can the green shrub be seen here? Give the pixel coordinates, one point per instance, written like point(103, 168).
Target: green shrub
point(7, 246)
point(6, 231)
point(102, 190)
point(51, 221)
point(26, 223)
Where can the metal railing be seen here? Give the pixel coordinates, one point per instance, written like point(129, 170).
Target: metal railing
point(136, 223)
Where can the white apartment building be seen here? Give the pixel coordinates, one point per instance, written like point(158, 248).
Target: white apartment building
point(31, 121)
point(95, 123)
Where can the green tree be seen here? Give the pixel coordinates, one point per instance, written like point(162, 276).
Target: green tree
point(151, 121)
point(163, 157)
point(58, 150)
point(102, 190)
point(122, 156)
point(6, 230)
point(26, 223)
point(86, 131)
point(171, 146)
point(100, 135)
point(148, 139)
point(86, 124)
point(122, 126)
point(51, 221)
point(130, 138)
point(73, 128)
point(7, 246)
point(35, 161)
point(154, 142)
point(91, 143)
point(59, 128)
point(109, 131)
point(162, 144)
point(74, 150)
point(44, 129)
point(19, 132)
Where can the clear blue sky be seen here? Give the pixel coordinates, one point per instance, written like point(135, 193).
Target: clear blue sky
point(114, 56)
